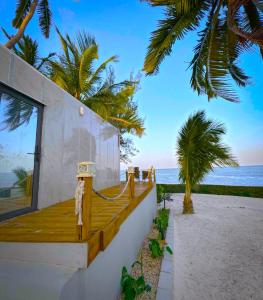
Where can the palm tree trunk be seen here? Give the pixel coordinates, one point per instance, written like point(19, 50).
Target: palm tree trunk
point(188, 203)
point(255, 37)
point(23, 25)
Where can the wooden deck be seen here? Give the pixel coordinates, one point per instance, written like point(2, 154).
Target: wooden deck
point(57, 223)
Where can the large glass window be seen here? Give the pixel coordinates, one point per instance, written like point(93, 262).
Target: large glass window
point(20, 126)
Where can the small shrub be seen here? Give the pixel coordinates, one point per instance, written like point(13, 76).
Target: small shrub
point(157, 250)
point(161, 222)
point(131, 286)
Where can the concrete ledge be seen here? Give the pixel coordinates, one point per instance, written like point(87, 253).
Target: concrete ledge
point(69, 255)
point(165, 284)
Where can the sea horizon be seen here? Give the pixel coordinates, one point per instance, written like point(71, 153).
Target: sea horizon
point(251, 175)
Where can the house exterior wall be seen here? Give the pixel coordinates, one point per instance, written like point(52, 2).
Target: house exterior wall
point(67, 136)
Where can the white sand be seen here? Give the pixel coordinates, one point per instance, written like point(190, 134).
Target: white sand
point(218, 251)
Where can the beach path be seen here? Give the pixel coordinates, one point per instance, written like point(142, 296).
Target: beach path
point(218, 251)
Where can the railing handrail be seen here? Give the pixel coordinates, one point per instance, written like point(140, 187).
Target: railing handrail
point(115, 197)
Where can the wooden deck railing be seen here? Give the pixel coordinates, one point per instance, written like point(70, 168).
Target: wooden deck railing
point(83, 230)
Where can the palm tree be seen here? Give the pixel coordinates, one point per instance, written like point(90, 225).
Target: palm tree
point(28, 50)
point(199, 149)
point(25, 10)
point(225, 28)
point(74, 70)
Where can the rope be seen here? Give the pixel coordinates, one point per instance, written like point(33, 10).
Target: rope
point(78, 200)
point(115, 197)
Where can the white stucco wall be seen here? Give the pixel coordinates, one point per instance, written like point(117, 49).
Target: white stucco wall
point(67, 137)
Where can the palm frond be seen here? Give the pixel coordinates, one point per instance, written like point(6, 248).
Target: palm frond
point(84, 41)
point(199, 148)
point(173, 28)
point(86, 61)
point(44, 15)
point(22, 8)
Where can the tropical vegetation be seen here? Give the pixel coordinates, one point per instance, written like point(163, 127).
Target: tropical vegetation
point(226, 29)
point(161, 222)
point(25, 11)
point(74, 70)
point(199, 149)
point(28, 50)
point(133, 286)
point(158, 248)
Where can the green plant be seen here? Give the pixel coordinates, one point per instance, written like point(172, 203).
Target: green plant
point(25, 10)
point(160, 193)
point(226, 29)
point(249, 191)
point(157, 250)
point(161, 222)
point(76, 72)
point(199, 149)
point(131, 286)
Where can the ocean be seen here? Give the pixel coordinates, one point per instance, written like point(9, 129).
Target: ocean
point(244, 176)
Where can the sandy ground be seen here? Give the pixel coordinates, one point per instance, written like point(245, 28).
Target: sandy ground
point(218, 251)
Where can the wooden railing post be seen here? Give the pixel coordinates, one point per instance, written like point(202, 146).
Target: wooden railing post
point(86, 207)
point(154, 175)
point(86, 172)
point(131, 183)
point(150, 177)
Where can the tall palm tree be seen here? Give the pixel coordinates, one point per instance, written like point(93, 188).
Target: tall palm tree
point(226, 28)
point(25, 10)
point(74, 70)
point(199, 149)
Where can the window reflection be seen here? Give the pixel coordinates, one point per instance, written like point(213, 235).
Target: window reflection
point(18, 125)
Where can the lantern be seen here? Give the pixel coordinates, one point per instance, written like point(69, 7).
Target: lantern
point(86, 169)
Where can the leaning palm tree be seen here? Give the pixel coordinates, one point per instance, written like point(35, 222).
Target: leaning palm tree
point(75, 71)
point(199, 149)
point(25, 10)
point(226, 29)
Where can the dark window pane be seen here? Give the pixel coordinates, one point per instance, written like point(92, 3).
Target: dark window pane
point(18, 125)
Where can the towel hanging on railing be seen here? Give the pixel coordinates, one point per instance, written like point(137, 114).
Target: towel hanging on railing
point(78, 200)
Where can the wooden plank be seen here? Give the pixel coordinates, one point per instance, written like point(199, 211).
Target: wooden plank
point(57, 223)
point(94, 246)
point(108, 233)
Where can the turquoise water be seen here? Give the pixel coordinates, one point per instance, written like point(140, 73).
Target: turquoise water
point(245, 175)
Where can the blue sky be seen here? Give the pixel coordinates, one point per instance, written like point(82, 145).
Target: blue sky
point(123, 27)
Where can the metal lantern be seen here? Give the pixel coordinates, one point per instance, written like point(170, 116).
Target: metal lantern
point(86, 169)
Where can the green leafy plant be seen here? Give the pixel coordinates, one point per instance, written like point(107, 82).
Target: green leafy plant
point(160, 193)
point(157, 249)
point(161, 222)
point(131, 286)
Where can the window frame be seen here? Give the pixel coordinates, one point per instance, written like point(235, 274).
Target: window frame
point(40, 109)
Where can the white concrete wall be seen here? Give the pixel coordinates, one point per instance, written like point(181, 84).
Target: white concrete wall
point(101, 280)
point(68, 255)
point(67, 137)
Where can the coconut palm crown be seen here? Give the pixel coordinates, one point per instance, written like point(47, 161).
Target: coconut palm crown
point(225, 29)
point(199, 149)
point(76, 71)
